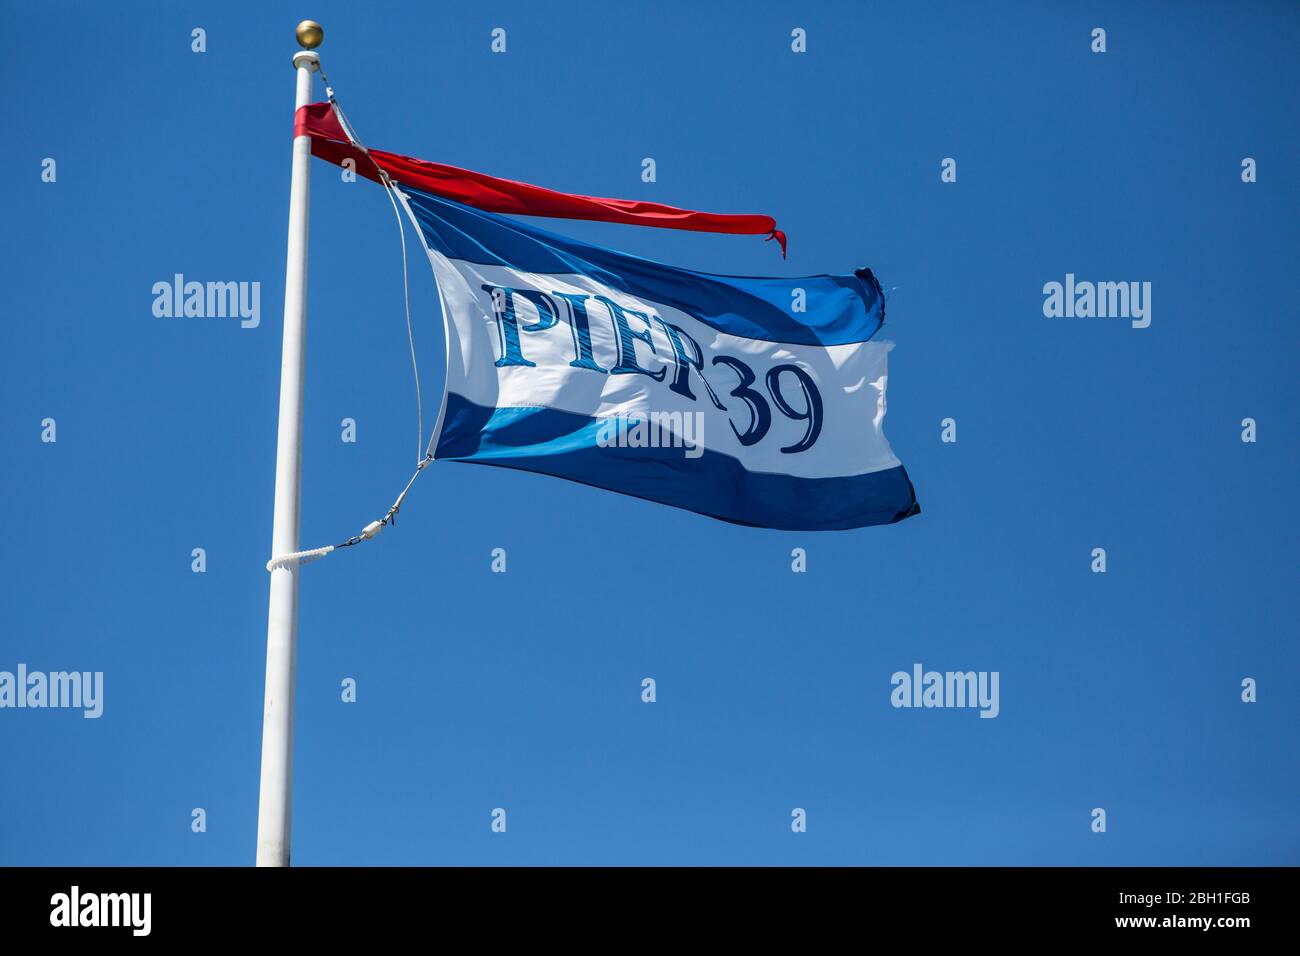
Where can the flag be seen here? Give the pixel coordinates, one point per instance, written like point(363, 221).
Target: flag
point(331, 142)
point(759, 401)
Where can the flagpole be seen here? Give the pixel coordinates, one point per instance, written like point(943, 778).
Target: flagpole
point(276, 790)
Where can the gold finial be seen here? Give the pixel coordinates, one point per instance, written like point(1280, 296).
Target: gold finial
point(310, 34)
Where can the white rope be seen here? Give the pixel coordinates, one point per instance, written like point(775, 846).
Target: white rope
point(389, 189)
point(410, 333)
point(298, 557)
point(424, 455)
point(369, 531)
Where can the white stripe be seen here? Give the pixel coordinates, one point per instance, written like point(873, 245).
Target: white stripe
point(850, 378)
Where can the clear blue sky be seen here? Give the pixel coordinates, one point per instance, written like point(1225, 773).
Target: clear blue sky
point(522, 690)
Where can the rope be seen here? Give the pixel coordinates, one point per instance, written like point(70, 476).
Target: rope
point(299, 558)
point(424, 453)
point(389, 190)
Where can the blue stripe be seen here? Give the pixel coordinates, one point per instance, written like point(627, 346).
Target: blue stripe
point(563, 444)
point(839, 309)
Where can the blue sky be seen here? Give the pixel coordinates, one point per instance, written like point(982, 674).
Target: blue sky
point(522, 690)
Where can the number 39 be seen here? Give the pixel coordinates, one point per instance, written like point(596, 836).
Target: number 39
point(760, 413)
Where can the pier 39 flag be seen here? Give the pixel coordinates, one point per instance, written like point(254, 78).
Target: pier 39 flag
point(759, 401)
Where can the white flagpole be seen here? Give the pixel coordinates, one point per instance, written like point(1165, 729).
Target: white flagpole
point(276, 792)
